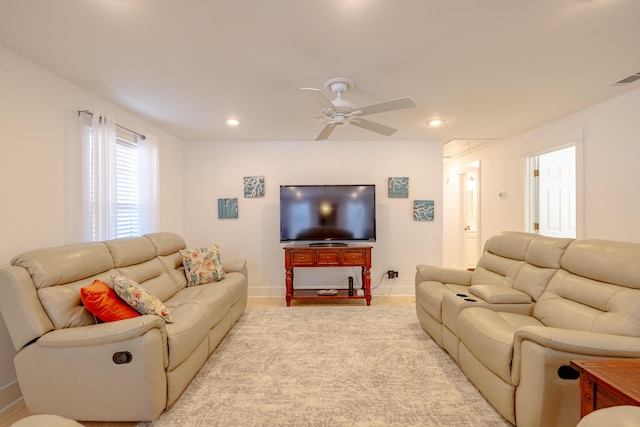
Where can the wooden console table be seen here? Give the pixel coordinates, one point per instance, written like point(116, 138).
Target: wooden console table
point(296, 255)
point(607, 382)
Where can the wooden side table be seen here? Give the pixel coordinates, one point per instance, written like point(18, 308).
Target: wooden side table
point(607, 382)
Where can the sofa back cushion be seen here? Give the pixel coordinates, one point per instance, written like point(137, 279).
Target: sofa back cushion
point(502, 259)
point(135, 258)
point(59, 273)
point(597, 289)
point(542, 261)
point(168, 246)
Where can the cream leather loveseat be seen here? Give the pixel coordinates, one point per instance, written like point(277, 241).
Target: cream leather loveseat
point(126, 370)
point(531, 305)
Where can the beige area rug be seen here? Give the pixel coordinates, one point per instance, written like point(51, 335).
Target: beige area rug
point(329, 366)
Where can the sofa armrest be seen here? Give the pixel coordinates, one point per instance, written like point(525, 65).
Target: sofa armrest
point(21, 308)
point(238, 265)
point(499, 294)
point(580, 342)
point(573, 342)
point(443, 275)
point(103, 333)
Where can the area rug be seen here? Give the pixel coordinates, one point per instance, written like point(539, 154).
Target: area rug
point(329, 366)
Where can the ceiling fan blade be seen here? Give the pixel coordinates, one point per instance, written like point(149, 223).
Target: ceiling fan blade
point(319, 97)
point(373, 126)
point(326, 132)
point(395, 104)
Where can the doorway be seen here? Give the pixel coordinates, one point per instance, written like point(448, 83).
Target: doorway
point(470, 215)
point(552, 193)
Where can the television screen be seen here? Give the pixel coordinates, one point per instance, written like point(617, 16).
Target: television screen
point(327, 212)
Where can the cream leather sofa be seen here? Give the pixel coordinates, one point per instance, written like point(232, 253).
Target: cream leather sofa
point(532, 304)
point(127, 370)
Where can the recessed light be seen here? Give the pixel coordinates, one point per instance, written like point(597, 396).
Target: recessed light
point(233, 122)
point(435, 122)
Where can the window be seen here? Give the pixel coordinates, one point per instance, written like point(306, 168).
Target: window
point(121, 177)
point(127, 221)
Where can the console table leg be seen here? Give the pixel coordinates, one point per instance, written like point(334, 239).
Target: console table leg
point(289, 284)
point(366, 282)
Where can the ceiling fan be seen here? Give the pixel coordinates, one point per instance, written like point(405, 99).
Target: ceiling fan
point(341, 111)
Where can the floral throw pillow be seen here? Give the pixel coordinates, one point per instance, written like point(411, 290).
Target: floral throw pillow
point(202, 265)
point(139, 298)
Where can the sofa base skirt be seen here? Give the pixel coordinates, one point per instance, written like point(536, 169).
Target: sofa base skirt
point(450, 342)
point(500, 394)
point(430, 325)
point(181, 376)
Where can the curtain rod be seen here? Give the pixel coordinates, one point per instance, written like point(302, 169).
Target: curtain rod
point(90, 113)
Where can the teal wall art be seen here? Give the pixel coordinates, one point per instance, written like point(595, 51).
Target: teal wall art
point(253, 186)
point(228, 208)
point(423, 210)
point(398, 187)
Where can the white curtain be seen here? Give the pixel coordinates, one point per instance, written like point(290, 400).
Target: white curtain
point(148, 183)
point(99, 146)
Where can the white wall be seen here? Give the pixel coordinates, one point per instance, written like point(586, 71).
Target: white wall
point(40, 170)
point(608, 136)
point(216, 169)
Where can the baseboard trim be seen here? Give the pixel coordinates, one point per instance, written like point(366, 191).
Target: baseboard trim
point(10, 395)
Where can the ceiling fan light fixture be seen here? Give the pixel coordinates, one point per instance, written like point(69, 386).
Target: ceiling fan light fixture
point(436, 122)
point(340, 111)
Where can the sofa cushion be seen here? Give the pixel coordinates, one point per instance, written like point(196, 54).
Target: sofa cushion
point(489, 336)
point(166, 243)
point(168, 246)
point(130, 250)
point(202, 265)
point(429, 296)
point(188, 331)
point(235, 283)
point(604, 261)
point(154, 276)
point(196, 310)
point(64, 264)
point(510, 244)
point(495, 270)
point(533, 280)
point(546, 252)
point(103, 302)
point(579, 303)
point(63, 304)
point(216, 299)
point(139, 298)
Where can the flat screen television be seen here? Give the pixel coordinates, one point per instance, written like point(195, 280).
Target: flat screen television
point(327, 213)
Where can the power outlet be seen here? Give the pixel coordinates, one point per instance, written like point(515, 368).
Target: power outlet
point(392, 274)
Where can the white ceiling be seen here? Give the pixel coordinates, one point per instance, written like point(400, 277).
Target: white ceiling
point(491, 68)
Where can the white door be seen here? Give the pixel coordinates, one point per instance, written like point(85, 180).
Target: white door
point(470, 187)
point(553, 184)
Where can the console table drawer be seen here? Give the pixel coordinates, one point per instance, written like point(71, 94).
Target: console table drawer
point(328, 257)
point(353, 257)
point(301, 257)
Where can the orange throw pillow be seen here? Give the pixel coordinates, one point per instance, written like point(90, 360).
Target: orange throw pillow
point(104, 303)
